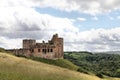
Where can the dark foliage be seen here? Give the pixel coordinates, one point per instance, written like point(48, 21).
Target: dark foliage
point(99, 64)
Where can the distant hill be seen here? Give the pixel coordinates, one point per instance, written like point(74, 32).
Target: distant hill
point(100, 64)
point(109, 52)
point(15, 68)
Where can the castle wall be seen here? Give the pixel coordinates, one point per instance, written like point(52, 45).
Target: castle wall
point(28, 43)
point(51, 50)
point(44, 52)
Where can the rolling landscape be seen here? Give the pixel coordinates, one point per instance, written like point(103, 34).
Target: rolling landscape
point(21, 68)
point(100, 64)
point(59, 39)
point(14, 68)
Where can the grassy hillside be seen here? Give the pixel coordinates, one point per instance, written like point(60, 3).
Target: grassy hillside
point(59, 62)
point(2, 49)
point(14, 68)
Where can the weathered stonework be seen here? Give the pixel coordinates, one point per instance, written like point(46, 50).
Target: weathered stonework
point(51, 50)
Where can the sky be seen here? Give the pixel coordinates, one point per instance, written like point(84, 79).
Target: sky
point(85, 25)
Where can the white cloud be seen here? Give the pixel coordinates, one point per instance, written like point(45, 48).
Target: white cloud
point(10, 43)
point(19, 20)
point(86, 6)
point(94, 40)
point(27, 19)
point(23, 22)
point(81, 19)
point(16, 25)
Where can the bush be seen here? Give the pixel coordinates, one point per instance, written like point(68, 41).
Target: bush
point(100, 75)
point(82, 70)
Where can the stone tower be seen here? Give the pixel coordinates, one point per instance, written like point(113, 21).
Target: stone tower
point(28, 43)
point(58, 42)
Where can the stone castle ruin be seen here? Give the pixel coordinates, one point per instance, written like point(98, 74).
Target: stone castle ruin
point(51, 50)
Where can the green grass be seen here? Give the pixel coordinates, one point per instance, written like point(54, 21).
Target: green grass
point(59, 62)
point(14, 68)
point(17, 68)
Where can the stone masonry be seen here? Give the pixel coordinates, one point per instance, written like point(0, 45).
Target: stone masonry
point(51, 50)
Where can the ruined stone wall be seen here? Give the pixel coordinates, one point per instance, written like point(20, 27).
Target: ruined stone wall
point(28, 43)
point(51, 50)
point(41, 53)
point(58, 42)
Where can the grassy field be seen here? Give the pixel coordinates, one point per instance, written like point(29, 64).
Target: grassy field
point(14, 68)
point(59, 62)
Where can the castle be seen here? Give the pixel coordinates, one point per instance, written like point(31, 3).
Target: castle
point(51, 50)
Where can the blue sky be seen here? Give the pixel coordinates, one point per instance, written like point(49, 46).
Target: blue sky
point(85, 25)
point(106, 21)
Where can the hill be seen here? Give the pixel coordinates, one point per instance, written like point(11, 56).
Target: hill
point(109, 52)
point(15, 68)
point(100, 64)
point(59, 62)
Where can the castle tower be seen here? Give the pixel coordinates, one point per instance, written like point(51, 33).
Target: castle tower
point(58, 42)
point(27, 44)
point(61, 53)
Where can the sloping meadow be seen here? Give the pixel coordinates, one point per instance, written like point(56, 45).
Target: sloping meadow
point(14, 68)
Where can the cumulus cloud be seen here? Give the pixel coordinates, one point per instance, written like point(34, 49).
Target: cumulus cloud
point(10, 43)
point(92, 7)
point(19, 19)
point(96, 40)
point(21, 22)
point(27, 21)
point(86, 6)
